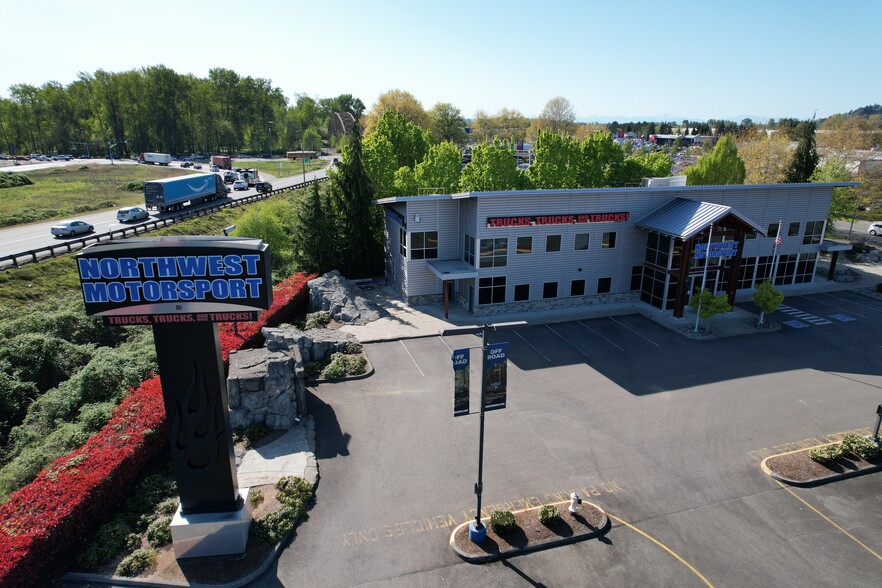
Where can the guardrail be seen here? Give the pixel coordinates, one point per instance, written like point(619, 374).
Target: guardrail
point(51, 251)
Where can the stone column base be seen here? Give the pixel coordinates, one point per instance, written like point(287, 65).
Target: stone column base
point(216, 533)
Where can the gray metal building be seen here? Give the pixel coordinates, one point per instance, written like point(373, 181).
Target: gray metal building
point(503, 252)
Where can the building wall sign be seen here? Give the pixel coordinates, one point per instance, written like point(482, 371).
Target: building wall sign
point(176, 280)
point(722, 249)
point(497, 222)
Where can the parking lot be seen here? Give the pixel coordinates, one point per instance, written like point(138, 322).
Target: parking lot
point(663, 432)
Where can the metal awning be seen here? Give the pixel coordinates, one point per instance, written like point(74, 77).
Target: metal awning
point(685, 218)
point(830, 246)
point(451, 269)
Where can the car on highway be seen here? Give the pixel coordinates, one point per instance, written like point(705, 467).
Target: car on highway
point(240, 185)
point(197, 166)
point(71, 228)
point(875, 229)
point(229, 177)
point(264, 187)
point(214, 168)
point(187, 164)
point(131, 214)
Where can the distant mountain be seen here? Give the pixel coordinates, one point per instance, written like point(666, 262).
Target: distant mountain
point(670, 118)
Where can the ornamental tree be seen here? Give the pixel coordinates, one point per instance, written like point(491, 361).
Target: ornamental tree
point(767, 298)
point(709, 305)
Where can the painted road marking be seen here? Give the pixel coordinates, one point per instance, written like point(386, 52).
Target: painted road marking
point(633, 331)
point(441, 521)
point(411, 358)
point(599, 335)
point(533, 346)
point(826, 518)
point(761, 454)
point(854, 303)
point(663, 546)
point(842, 317)
point(573, 345)
point(795, 324)
point(815, 300)
point(815, 320)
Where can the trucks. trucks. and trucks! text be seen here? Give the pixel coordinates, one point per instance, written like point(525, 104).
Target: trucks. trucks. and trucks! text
point(171, 194)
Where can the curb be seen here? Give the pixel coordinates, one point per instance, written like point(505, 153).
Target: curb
point(815, 481)
point(515, 551)
point(368, 372)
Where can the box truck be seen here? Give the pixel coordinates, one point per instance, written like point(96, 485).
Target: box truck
point(222, 161)
point(171, 194)
point(155, 158)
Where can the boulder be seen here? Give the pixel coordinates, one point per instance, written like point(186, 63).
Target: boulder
point(339, 297)
point(263, 389)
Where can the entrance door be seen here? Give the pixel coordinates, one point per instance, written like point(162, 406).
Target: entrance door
point(695, 283)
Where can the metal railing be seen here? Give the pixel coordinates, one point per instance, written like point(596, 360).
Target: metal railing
point(51, 251)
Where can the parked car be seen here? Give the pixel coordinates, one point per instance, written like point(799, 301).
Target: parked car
point(875, 229)
point(240, 185)
point(71, 228)
point(264, 187)
point(131, 214)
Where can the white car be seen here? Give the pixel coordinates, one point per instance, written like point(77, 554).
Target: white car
point(240, 185)
point(875, 229)
point(71, 228)
point(131, 214)
point(214, 168)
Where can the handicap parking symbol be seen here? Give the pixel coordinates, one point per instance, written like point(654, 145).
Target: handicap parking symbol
point(796, 324)
point(842, 317)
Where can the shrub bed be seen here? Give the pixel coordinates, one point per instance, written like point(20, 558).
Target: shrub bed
point(43, 522)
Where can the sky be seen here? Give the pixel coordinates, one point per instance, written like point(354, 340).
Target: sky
point(627, 60)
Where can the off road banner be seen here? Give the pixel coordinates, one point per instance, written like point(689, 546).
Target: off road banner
point(460, 382)
point(495, 376)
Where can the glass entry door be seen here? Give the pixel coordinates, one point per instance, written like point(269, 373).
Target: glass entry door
point(695, 283)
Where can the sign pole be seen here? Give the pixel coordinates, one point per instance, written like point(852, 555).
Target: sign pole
point(704, 276)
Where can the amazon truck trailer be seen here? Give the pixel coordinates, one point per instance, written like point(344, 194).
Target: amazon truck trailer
point(172, 194)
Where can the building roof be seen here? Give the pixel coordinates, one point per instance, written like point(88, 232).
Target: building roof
point(684, 218)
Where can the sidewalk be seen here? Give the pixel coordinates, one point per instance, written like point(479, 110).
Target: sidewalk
point(406, 322)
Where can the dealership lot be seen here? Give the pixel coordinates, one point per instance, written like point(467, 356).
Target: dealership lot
point(663, 432)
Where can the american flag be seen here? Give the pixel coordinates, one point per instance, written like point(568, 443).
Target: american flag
point(778, 241)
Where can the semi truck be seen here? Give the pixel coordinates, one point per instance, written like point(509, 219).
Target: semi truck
point(170, 194)
point(222, 161)
point(155, 158)
point(250, 175)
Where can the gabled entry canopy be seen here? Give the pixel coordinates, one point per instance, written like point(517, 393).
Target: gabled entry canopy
point(686, 218)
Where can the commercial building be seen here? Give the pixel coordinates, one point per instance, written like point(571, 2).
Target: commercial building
point(503, 252)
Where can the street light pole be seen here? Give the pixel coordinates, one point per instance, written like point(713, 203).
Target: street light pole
point(271, 123)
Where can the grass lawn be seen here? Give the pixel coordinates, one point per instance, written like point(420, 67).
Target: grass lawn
point(65, 191)
point(289, 168)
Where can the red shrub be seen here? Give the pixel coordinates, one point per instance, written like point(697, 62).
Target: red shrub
point(45, 520)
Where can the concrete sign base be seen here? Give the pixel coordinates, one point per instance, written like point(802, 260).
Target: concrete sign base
point(207, 534)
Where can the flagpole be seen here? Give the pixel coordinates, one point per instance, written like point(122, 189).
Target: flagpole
point(704, 275)
point(775, 253)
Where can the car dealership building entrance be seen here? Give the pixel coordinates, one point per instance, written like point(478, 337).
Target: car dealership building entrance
point(513, 251)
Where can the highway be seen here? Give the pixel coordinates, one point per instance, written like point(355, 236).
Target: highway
point(22, 238)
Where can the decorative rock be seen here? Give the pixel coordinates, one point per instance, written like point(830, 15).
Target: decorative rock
point(313, 345)
point(338, 297)
point(263, 389)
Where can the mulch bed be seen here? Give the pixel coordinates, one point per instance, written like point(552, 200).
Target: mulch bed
point(530, 534)
point(799, 468)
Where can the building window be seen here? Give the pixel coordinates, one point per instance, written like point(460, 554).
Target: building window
point(805, 268)
point(636, 276)
point(793, 231)
point(604, 285)
point(773, 230)
point(552, 243)
point(491, 290)
point(424, 245)
point(785, 270)
point(609, 240)
point(581, 243)
point(402, 242)
point(577, 288)
point(658, 249)
point(494, 252)
point(521, 292)
point(549, 290)
point(525, 245)
point(813, 231)
point(468, 250)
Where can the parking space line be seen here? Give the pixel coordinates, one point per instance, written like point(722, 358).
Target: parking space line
point(573, 345)
point(531, 345)
point(850, 301)
point(411, 358)
point(633, 331)
point(599, 335)
point(445, 344)
point(848, 310)
point(826, 518)
point(663, 546)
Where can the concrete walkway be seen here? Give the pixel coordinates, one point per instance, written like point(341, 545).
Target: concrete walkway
point(292, 454)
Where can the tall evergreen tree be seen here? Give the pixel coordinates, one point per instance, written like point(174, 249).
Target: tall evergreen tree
point(314, 236)
point(361, 249)
point(805, 159)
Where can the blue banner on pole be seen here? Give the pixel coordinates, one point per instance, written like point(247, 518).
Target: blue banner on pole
point(495, 376)
point(460, 382)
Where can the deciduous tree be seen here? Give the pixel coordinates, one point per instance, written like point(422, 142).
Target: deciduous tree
point(397, 101)
point(558, 116)
point(493, 167)
point(447, 124)
point(721, 167)
point(765, 158)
